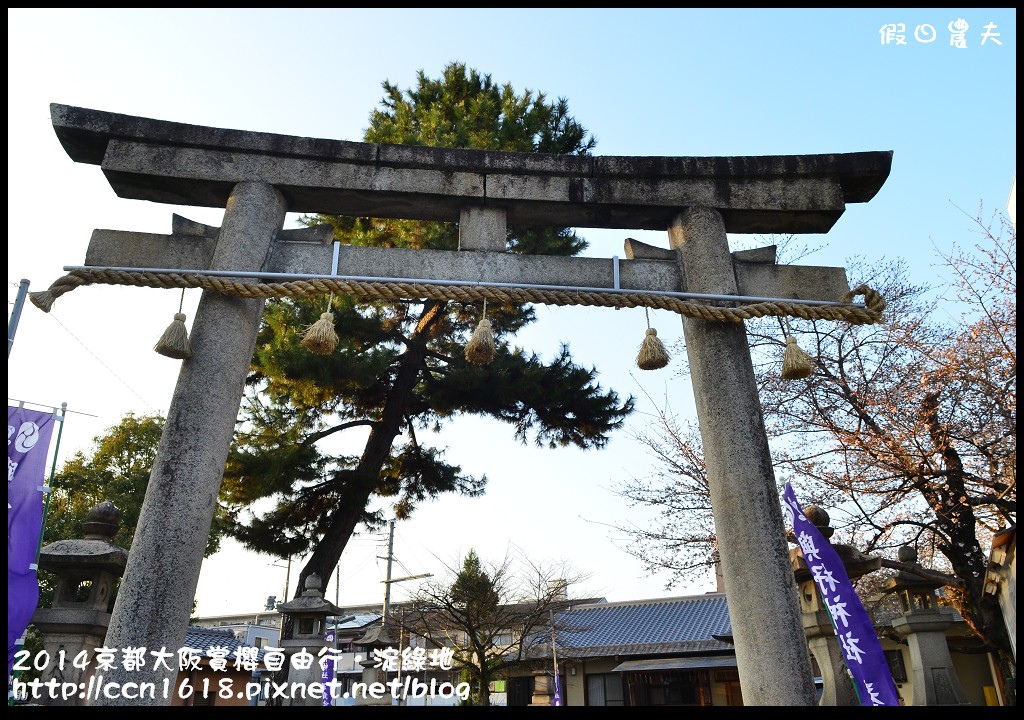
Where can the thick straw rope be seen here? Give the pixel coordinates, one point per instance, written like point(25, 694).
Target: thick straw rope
point(392, 290)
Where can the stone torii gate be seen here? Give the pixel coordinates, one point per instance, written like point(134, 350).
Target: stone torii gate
point(259, 177)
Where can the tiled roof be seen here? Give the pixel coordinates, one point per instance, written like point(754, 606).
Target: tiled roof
point(360, 620)
point(670, 625)
point(205, 638)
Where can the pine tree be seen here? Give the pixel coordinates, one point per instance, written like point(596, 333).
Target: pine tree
point(398, 367)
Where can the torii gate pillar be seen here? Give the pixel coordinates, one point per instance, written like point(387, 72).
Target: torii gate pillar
point(771, 652)
point(154, 601)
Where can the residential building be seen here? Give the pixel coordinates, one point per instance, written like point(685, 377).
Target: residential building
point(649, 652)
point(665, 651)
point(220, 669)
point(1001, 578)
point(259, 629)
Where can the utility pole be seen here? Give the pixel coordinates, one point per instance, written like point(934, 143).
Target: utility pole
point(388, 579)
point(287, 579)
point(12, 324)
point(387, 590)
point(387, 582)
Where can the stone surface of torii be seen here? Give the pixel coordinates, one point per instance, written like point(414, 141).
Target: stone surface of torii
point(182, 164)
point(259, 177)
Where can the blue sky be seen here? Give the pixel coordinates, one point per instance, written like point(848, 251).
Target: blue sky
point(644, 82)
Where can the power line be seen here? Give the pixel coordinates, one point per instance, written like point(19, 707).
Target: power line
point(107, 367)
point(51, 407)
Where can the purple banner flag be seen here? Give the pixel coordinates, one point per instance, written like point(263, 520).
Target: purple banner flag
point(557, 699)
point(28, 443)
point(856, 633)
point(327, 669)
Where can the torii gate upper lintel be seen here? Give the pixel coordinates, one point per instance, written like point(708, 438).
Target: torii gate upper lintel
point(181, 164)
point(259, 177)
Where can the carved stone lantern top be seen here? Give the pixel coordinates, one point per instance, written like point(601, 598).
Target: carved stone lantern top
point(95, 551)
point(916, 593)
point(102, 522)
point(311, 602)
point(820, 518)
point(854, 561)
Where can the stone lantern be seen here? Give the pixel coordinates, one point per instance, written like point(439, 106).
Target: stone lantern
point(837, 686)
point(86, 571)
point(915, 592)
point(308, 614)
point(924, 626)
point(379, 637)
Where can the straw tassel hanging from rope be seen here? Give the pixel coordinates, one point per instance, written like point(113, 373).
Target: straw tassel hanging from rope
point(174, 343)
point(796, 364)
point(480, 348)
point(653, 355)
point(320, 337)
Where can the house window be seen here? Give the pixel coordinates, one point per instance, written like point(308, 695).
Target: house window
point(520, 691)
point(605, 689)
point(894, 658)
point(727, 675)
point(259, 642)
point(503, 639)
point(683, 687)
point(203, 700)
